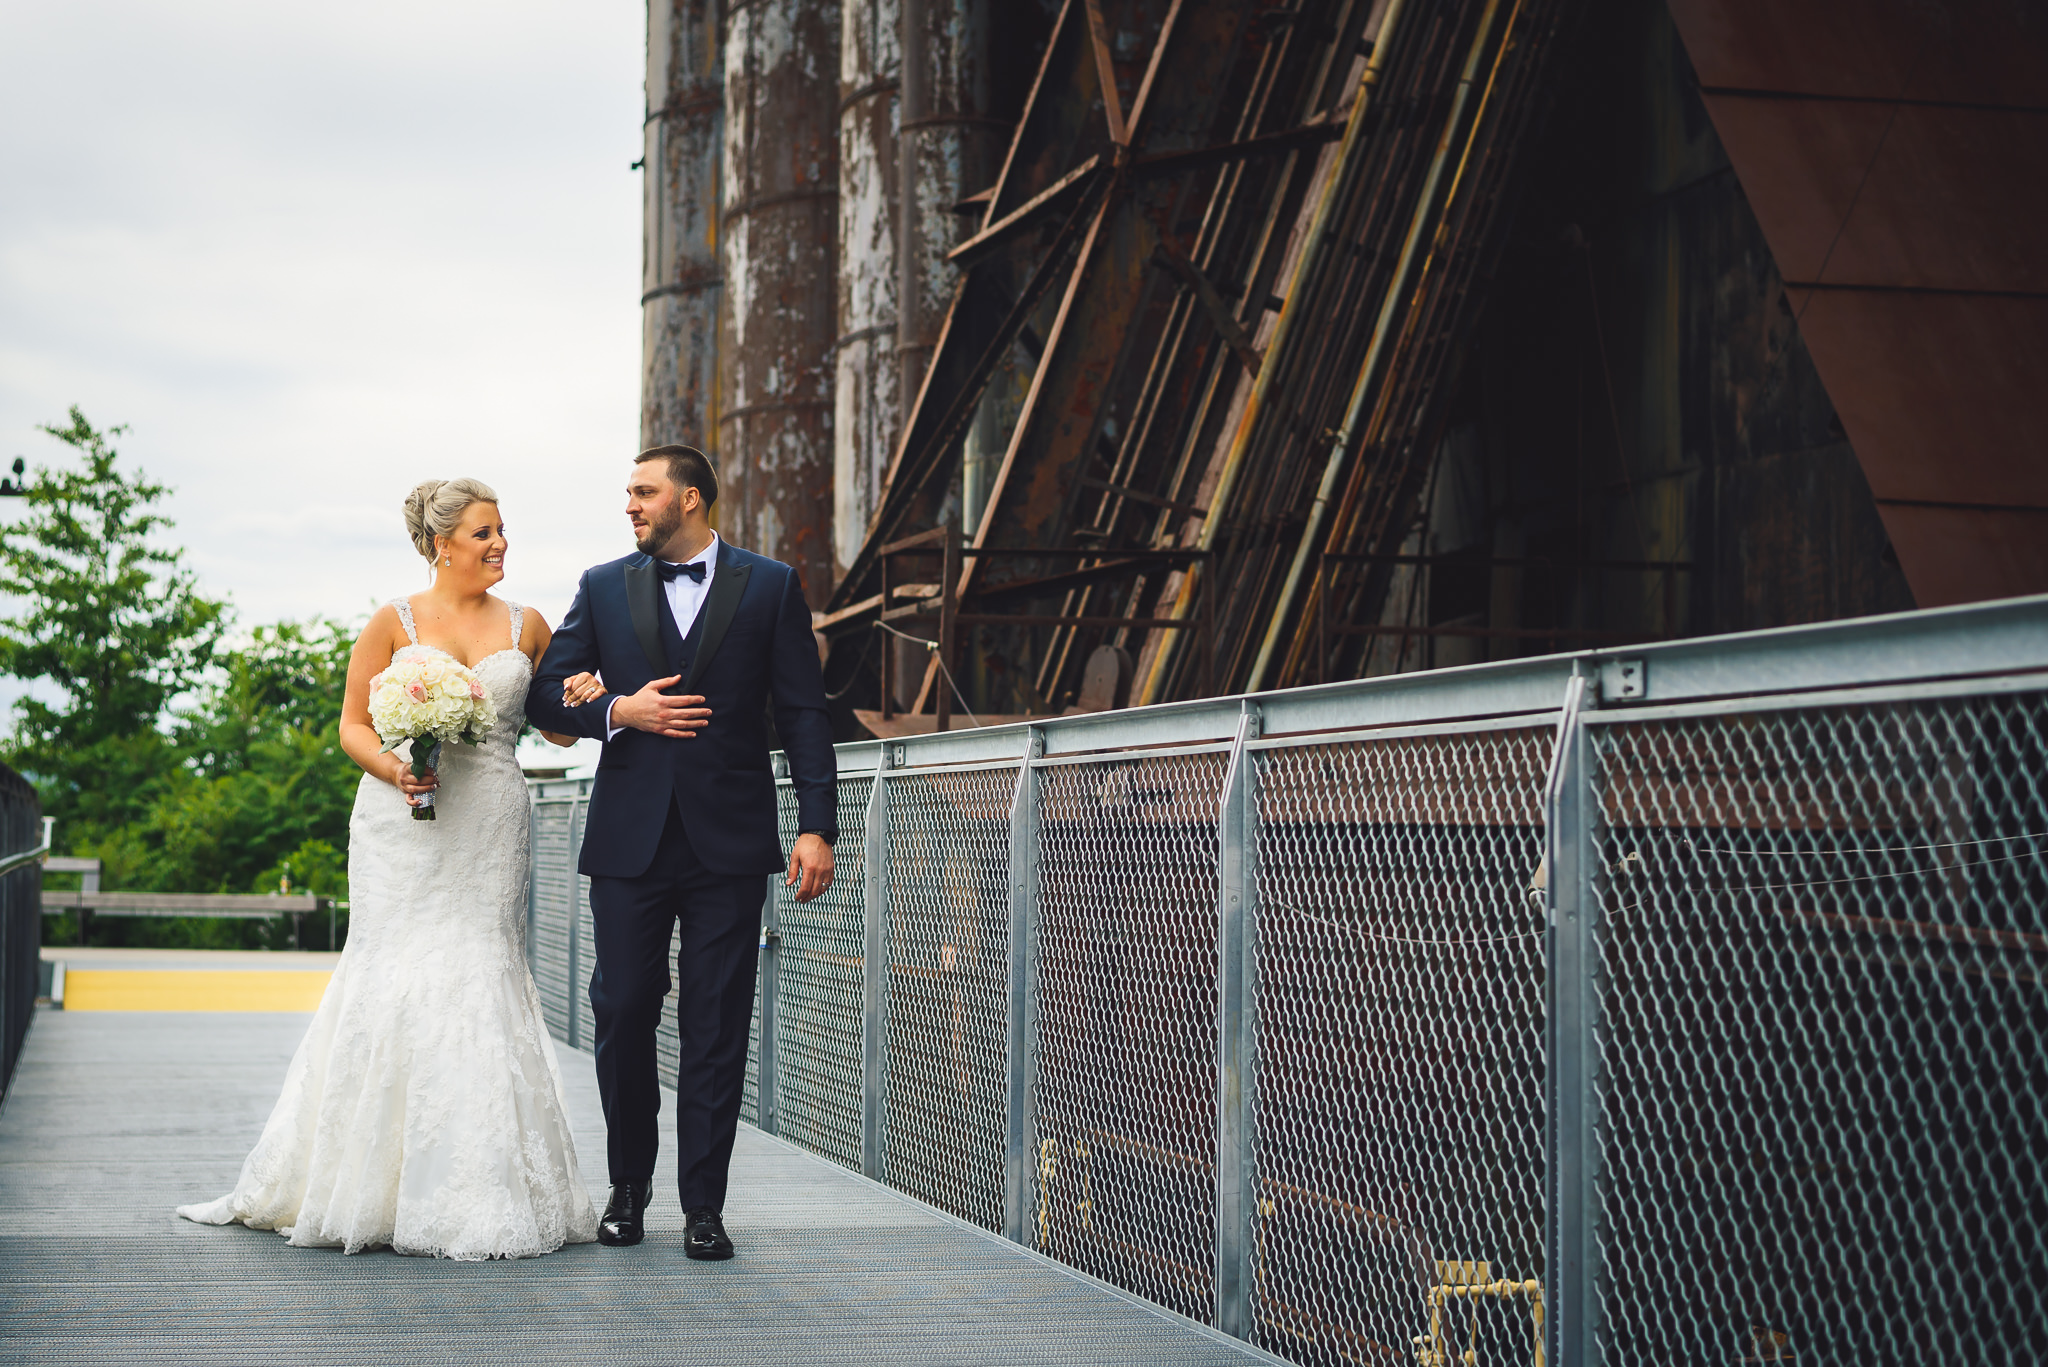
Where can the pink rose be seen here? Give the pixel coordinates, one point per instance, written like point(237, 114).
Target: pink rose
point(419, 694)
point(476, 690)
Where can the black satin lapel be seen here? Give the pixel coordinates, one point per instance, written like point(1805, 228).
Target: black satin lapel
point(643, 602)
point(724, 600)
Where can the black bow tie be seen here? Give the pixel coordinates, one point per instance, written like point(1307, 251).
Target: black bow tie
point(668, 572)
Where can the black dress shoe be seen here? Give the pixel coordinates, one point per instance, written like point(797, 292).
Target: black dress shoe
point(623, 1214)
point(706, 1238)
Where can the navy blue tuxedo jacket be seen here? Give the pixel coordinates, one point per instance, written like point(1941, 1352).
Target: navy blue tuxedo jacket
point(752, 641)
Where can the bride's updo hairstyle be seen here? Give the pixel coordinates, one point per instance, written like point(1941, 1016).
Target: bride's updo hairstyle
point(435, 508)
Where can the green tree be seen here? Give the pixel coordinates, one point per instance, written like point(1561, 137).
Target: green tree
point(110, 617)
point(263, 785)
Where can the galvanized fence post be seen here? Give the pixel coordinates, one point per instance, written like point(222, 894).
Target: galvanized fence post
point(1235, 1173)
point(766, 1107)
point(1572, 855)
point(577, 807)
point(532, 879)
point(874, 1070)
point(1020, 1159)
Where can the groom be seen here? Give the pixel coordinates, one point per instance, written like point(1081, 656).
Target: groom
point(689, 636)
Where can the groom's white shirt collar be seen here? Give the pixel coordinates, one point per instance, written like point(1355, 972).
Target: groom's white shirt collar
point(685, 599)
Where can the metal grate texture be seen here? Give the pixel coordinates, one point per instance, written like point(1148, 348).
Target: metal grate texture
point(1125, 1101)
point(551, 917)
point(1821, 1085)
point(819, 984)
point(1399, 1101)
point(949, 985)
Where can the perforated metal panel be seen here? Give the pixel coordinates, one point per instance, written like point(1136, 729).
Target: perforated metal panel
point(818, 1075)
point(1823, 1053)
point(1400, 1046)
point(949, 977)
point(1125, 1106)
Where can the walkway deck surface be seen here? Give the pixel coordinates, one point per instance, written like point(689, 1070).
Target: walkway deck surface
point(115, 1118)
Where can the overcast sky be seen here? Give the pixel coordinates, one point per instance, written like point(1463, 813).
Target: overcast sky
point(313, 254)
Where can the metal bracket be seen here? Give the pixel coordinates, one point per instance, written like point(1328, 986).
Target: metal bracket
point(1625, 680)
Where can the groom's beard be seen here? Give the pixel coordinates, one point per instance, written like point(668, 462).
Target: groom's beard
point(660, 533)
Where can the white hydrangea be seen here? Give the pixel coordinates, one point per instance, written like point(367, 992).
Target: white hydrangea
point(435, 697)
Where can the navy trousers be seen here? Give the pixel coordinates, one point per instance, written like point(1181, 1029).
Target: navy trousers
point(720, 917)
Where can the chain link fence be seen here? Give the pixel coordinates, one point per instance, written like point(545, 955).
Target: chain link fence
point(1674, 1005)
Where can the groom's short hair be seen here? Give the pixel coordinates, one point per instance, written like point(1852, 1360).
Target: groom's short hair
point(688, 468)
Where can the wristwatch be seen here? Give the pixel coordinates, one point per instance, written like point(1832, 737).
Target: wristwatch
point(818, 831)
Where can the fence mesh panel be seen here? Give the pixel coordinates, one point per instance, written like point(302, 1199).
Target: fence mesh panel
point(1821, 1065)
point(553, 898)
point(818, 1004)
point(949, 985)
point(1125, 1104)
point(1399, 1078)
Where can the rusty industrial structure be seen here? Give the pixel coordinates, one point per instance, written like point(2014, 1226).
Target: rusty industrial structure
point(1091, 353)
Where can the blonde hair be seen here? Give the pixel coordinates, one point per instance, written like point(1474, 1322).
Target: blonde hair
point(435, 508)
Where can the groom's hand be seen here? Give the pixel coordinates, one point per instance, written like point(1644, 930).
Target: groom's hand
point(660, 713)
point(810, 867)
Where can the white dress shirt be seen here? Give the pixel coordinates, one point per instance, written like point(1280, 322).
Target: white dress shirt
point(685, 599)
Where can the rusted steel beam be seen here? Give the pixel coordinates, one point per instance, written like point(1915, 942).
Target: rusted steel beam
point(957, 379)
point(1475, 82)
point(1026, 216)
point(1140, 496)
point(779, 250)
point(1385, 482)
point(1302, 298)
point(1175, 261)
point(1047, 619)
point(1242, 233)
point(681, 276)
point(1311, 134)
point(1105, 73)
point(1011, 179)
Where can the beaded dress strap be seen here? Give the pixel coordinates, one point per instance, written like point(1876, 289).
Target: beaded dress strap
point(404, 606)
point(518, 621)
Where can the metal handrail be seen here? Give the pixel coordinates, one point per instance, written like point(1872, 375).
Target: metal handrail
point(11, 862)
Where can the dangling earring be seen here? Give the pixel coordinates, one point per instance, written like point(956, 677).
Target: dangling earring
point(448, 562)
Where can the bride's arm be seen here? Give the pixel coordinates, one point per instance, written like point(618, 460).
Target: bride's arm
point(576, 690)
point(359, 738)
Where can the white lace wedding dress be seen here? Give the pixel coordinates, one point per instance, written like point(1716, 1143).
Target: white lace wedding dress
point(424, 1108)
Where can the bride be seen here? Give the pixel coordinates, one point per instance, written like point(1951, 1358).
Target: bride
point(424, 1109)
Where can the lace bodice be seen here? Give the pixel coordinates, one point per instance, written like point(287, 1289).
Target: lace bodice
point(424, 1108)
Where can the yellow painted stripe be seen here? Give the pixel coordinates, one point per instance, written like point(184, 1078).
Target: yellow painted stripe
point(108, 989)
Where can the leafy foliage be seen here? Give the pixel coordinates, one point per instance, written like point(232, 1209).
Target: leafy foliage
point(113, 620)
point(184, 764)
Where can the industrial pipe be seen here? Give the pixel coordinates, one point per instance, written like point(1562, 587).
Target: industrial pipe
point(1291, 309)
point(1362, 391)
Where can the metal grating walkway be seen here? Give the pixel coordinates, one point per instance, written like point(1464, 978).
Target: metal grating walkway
point(113, 1119)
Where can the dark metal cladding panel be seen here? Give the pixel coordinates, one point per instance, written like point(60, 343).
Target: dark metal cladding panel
point(1892, 153)
point(1970, 51)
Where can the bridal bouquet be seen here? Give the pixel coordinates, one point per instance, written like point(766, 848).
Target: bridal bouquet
point(428, 702)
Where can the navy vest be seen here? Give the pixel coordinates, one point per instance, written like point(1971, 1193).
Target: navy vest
point(681, 650)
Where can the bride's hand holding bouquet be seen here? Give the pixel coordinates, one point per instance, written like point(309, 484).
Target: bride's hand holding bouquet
point(428, 702)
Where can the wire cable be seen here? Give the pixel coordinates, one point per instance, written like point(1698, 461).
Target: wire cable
point(933, 647)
